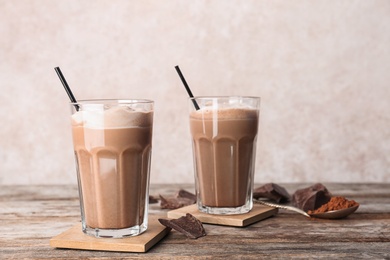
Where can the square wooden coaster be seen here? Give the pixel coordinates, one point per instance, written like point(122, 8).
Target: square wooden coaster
point(258, 212)
point(74, 238)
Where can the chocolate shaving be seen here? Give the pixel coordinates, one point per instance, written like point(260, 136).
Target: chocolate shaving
point(312, 197)
point(187, 225)
point(182, 198)
point(272, 191)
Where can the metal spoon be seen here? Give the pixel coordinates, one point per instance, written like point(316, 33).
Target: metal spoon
point(334, 214)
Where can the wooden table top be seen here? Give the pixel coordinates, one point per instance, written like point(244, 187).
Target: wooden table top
point(31, 215)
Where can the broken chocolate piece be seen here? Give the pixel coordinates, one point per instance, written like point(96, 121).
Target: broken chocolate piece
point(312, 197)
point(272, 191)
point(153, 199)
point(174, 203)
point(185, 194)
point(188, 225)
point(182, 198)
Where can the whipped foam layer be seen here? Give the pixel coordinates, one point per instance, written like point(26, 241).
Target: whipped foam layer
point(114, 117)
point(225, 113)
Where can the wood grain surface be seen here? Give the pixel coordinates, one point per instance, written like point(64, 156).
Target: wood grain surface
point(31, 215)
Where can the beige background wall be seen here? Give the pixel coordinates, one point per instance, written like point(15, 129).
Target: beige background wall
point(322, 69)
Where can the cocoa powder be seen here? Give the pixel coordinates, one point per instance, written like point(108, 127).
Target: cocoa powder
point(335, 203)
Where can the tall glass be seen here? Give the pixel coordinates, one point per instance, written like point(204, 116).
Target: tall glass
point(112, 146)
point(224, 134)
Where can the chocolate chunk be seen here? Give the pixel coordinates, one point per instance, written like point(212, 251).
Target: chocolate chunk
point(181, 199)
point(174, 203)
point(185, 194)
point(153, 199)
point(188, 225)
point(312, 197)
point(272, 191)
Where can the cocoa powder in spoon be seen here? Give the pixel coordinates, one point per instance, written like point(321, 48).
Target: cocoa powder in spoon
point(335, 203)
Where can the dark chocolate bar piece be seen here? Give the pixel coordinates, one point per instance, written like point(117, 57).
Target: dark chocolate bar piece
point(312, 197)
point(273, 192)
point(174, 203)
point(181, 199)
point(153, 199)
point(188, 225)
point(185, 194)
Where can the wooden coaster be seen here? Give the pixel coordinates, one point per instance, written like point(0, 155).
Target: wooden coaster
point(74, 238)
point(259, 212)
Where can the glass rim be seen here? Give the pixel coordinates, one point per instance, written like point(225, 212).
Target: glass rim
point(112, 100)
point(224, 97)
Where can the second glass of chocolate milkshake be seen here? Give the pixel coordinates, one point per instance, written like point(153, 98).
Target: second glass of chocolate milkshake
point(112, 146)
point(224, 135)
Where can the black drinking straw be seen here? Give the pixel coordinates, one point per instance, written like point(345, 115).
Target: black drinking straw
point(187, 87)
point(66, 87)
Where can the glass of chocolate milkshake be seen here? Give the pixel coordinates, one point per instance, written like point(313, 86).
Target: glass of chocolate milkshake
point(224, 134)
point(112, 146)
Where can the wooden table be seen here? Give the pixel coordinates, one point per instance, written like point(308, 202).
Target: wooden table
point(31, 215)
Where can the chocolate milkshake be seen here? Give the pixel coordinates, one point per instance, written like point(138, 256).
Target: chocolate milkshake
point(224, 145)
point(112, 144)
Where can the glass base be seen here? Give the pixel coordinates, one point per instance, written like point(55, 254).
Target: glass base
point(115, 233)
point(225, 210)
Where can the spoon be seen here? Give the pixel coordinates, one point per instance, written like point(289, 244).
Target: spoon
point(334, 214)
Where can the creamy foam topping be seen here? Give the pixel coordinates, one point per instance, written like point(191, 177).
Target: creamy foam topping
point(115, 117)
point(225, 113)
